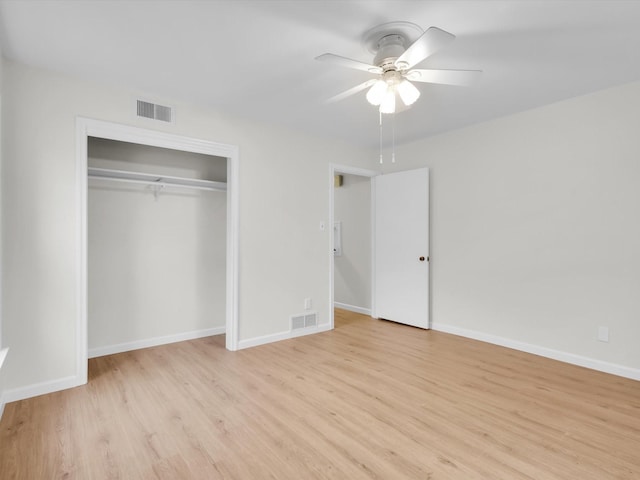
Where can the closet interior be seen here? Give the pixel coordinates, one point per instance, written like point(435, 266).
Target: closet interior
point(156, 245)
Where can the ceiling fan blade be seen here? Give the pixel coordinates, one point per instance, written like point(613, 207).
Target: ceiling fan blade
point(463, 78)
point(429, 43)
point(352, 91)
point(349, 63)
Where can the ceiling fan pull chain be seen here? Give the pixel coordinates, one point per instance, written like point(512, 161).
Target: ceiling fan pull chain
point(380, 113)
point(393, 138)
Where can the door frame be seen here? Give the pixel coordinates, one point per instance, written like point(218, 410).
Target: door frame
point(336, 169)
point(87, 127)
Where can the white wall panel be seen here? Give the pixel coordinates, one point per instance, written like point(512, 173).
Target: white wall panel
point(535, 228)
point(282, 186)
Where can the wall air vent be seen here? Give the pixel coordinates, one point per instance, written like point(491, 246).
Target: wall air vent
point(310, 320)
point(155, 112)
point(305, 320)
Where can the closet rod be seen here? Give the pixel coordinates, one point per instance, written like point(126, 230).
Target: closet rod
point(158, 184)
point(154, 180)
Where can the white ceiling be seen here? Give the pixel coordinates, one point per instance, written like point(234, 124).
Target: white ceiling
point(255, 58)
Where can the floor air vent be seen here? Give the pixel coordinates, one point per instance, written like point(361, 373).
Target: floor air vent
point(305, 320)
point(155, 112)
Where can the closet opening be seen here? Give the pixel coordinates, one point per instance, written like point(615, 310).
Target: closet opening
point(158, 235)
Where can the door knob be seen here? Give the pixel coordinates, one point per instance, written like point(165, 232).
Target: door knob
point(422, 259)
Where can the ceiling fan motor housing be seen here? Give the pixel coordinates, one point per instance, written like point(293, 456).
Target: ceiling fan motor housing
point(390, 47)
point(392, 77)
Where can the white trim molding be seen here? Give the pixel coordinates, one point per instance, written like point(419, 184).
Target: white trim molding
point(85, 128)
point(579, 360)
point(286, 335)
point(3, 356)
point(352, 308)
point(43, 388)
point(154, 342)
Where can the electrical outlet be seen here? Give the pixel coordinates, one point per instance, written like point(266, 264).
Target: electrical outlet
point(307, 304)
point(603, 334)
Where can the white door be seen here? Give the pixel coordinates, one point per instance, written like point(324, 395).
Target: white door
point(401, 278)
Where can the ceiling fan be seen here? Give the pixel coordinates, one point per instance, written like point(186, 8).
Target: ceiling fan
point(394, 61)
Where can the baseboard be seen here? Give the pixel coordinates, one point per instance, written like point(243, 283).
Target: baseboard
point(276, 337)
point(43, 388)
point(599, 365)
point(352, 308)
point(154, 342)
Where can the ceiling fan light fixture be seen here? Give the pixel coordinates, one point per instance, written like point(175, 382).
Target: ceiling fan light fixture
point(408, 92)
point(388, 104)
point(377, 92)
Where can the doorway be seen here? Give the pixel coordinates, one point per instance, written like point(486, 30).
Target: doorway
point(156, 224)
point(349, 271)
point(86, 128)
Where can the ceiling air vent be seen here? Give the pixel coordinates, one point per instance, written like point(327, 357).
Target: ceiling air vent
point(155, 112)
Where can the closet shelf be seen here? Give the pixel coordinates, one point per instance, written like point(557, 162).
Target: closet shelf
point(155, 180)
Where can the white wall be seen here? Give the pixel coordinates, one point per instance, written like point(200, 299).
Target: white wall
point(156, 265)
point(2, 351)
point(352, 270)
point(535, 226)
point(1, 155)
point(283, 185)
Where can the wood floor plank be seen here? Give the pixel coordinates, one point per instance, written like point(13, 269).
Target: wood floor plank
point(368, 400)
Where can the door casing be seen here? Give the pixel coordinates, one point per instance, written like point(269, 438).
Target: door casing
point(86, 127)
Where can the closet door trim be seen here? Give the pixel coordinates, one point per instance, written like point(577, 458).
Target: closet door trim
point(85, 128)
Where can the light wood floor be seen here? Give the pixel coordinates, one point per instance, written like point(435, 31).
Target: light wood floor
point(371, 399)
